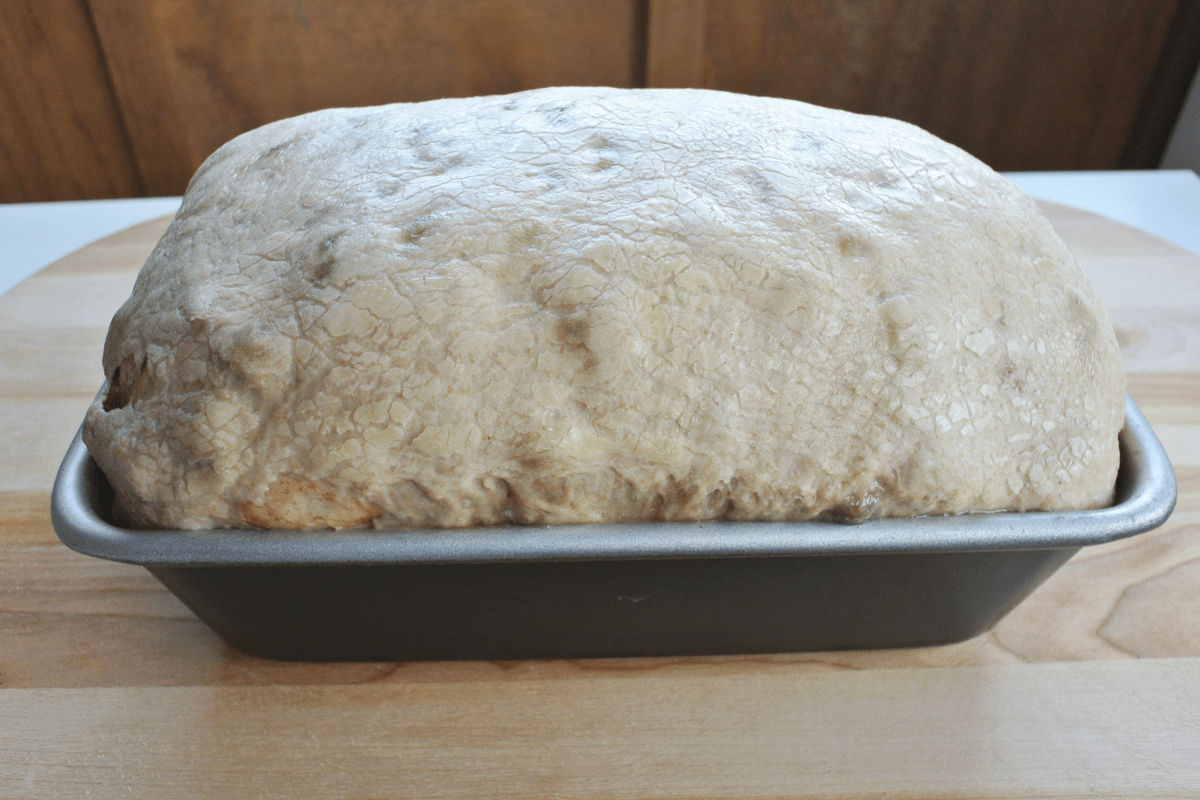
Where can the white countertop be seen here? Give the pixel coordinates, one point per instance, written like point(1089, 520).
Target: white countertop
point(1163, 202)
point(33, 235)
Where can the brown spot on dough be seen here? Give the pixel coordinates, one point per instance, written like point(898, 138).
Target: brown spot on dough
point(558, 113)
point(413, 232)
point(272, 156)
point(449, 163)
point(531, 462)
point(552, 491)
point(526, 235)
point(293, 502)
point(851, 246)
point(572, 330)
point(324, 259)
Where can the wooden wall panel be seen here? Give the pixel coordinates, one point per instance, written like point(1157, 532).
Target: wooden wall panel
point(1167, 90)
point(61, 136)
point(1022, 84)
point(192, 74)
point(111, 98)
point(675, 53)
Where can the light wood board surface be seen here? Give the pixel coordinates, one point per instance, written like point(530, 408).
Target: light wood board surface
point(110, 687)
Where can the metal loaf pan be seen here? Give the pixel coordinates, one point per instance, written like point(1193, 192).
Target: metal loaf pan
point(649, 589)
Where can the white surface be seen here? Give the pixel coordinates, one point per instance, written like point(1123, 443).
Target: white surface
point(1163, 202)
point(33, 235)
point(1183, 148)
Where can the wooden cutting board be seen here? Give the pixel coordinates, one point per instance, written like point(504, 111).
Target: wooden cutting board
point(108, 683)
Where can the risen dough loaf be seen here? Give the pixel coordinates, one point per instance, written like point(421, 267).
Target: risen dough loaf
point(575, 305)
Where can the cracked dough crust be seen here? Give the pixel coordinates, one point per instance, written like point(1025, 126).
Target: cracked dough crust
point(576, 305)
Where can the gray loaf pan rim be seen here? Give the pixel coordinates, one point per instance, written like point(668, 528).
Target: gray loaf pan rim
point(1145, 498)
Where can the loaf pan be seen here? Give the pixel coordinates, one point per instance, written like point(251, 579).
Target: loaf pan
point(645, 589)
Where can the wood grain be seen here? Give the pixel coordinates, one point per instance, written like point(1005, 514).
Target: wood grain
point(1168, 86)
point(50, 375)
point(61, 134)
point(1020, 85)
point(115, 98)
point(675, 49)
point(109, 685)
point(54, 325)
point(191, 75)
point(139, 67)
point(1020, 731)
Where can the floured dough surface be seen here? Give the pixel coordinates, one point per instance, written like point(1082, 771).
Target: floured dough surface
point(576, 305)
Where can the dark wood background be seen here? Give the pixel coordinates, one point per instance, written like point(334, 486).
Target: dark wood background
point(120, 98)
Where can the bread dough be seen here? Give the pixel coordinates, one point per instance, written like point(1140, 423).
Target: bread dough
point(575, 305)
